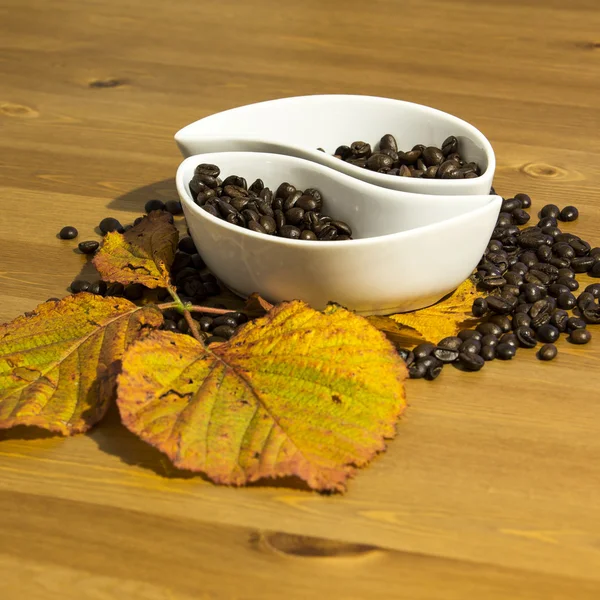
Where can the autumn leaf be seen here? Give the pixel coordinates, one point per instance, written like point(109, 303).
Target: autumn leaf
point(256, 306)
point(435, 322)
point(58, 364)
point(297, 392)
point(141, 255)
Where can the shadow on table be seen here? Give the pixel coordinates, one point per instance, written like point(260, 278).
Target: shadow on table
point(25, 432)
point(134, 200)
point(114, 438)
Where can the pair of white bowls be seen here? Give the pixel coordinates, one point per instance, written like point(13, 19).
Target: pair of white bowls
point(414, 240)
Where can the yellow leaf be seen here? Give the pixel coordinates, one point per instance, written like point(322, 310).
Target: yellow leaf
point(297, 392)
point(141, 255)
point(58, 364)
point(444, 318)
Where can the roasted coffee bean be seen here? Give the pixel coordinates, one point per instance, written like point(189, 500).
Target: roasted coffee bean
point(469, 334)
point(532, 292)
point(79, 285)
point(556, 289)
point(568, 213)
point(68, 233)
point(595, 252)
point(595, 270)
point(488, 353)
point(423, 350)
point(343, 152)
point(547, 222)
point(256, 227)
point(547, 352)
point(489, 340)
point(525, 200)
point(550, 210)
point(582, 264)
point(257, 186)
point(388, 142)
point(110, 224)
point(169, 325)
point(551, 230)
point(264, 208)
point(480, 307)
point(289, 231)
point(513, 278)
point(450, 343)
point(566, 301)
point(489, 328)
point(575, 323)
point(342, 227)
point(528, 259)
point(510, 205)
point(207, 169)
point(503, 321)
point(445, 355)
point(307, 234)
point(579, 336)
point(115, 289)
point(559, 319)
point(566, 273)
point(134, 291)
point(473, 346)
point(509, 338)
point(520, 217)
point(509, 291)
point(505, 351)
point(592, 314)
point(520, 267)
point(541, 307)
point(571, 283)
point(98, 287)
point(504, 220)
point(224, 331)
point(360, 149)
point(544, 253)
point(584, 300)
point(379, 161)
point(406, 355)
point(470, 361)
point(88, 247)
point(526, 336)
point(154, 205)
point(501, 305)
point(211, 288)
point(524, 307)
point(433, 156)
point(212, 210)
point(520, 319)
point(449, 145)
point(491, 282)
point(205, 323)
point(594, 289)
point(186, 244)
point(581, 247)
point(547, 333)
point(417, 370)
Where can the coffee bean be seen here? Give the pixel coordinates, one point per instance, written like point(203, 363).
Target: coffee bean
point(68, 233)
point(223, 331)
point(500, 305)
point(307, 234)
point(134, 291)
point(582, 264)
point(594, 289)
point(109, 224)
point(445, 355)
point(520, 320)
point(473, 346)
point(525, 200)
point(417, 370)
point(547, 352)
point(505, 351)
point(422, 350)
point(406, 355)
point(88, 247)
point(79, 285)
point(154, 205)
point(547, 222)
point(470, 361)
point(256, 227)
point(379, 161)
point(579, 336)
point(510, 339)
point(520, 216)
point(532, 292)
point(489, 328)
point(115, 289)
point(584, 300)
point(450, 145)
point(488, 353)
point(98, 287)
point(547, 333)
point(550, 210)
point(568, 213)
point(212, 210)
point(289, 231)
point(592, 314)
point(526, 337)
point(581, 248)
point(360, 149)
point(559, 319)
point(570, 282)
point(469, 334)
point(595, 270)
point(388, 142)
point(566, 301)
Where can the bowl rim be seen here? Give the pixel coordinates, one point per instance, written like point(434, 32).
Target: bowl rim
point(477, 135)
point(186, 197)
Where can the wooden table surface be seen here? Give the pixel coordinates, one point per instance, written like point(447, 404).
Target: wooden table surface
point(491, 488)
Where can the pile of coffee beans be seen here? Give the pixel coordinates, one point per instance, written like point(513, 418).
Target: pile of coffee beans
point(287, 212)
point(429, 162)
point(529, 274)
point(214, 328)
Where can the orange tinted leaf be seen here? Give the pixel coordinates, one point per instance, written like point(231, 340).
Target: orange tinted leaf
point(58, 364)
point(297, 392)
point(256, 305)
point(141, 255)
point(444, 318)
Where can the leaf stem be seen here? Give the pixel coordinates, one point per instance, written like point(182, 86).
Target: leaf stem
point(194, 308)
point(192, 325)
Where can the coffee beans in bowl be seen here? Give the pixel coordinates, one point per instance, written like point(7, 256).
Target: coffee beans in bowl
point(429, 162)
point(287, 212)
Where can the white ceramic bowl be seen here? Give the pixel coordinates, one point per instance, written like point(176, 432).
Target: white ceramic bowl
point(409, 250)
point(298, 126)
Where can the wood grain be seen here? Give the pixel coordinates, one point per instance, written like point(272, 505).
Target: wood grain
point(492, 487)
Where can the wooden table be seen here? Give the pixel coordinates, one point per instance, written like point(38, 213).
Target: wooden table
point(491, 489)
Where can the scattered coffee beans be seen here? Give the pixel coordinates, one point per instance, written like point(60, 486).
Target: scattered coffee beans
point(88, 247)
point(287, 212)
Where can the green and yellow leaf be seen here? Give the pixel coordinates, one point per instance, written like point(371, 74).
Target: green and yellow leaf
point(58, 364)
point(296, 392)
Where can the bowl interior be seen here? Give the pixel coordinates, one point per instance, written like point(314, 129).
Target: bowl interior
point(329, 121)
point(370, 211)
